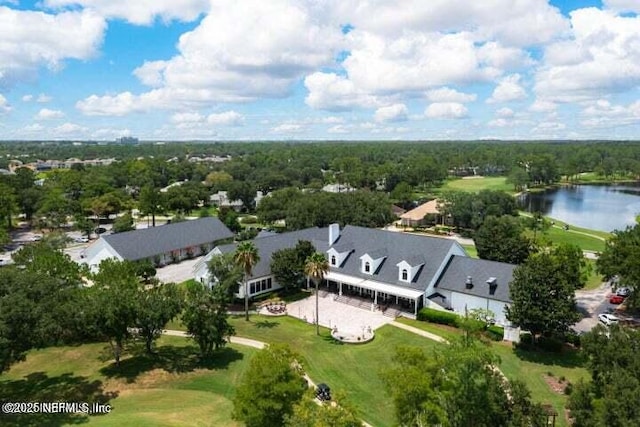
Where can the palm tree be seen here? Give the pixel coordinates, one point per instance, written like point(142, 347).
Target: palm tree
point(316, 266)
point(245, 257)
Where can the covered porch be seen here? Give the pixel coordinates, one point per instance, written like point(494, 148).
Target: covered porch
point(380, 296)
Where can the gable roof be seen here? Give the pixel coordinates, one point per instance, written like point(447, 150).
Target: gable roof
point(432, 252)
point(267, 245)
point(417, 214)
point(148, 242)
point(459, 268)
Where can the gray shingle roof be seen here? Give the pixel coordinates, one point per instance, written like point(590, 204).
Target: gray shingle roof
point(148, 242)
point(398, 246)
point(267, 245)
point(480, 270)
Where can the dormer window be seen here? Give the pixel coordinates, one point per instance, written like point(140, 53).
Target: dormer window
point(333, 260)
point(405, 275)
point(408, 269)
point(371, 262)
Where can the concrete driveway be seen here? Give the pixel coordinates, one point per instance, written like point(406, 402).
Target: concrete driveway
point(592, 303)
point(177, 273)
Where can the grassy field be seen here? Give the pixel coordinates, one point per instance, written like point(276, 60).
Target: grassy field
point(587, 239)
point(172, 389)
point(351, 369)
point(477, 184)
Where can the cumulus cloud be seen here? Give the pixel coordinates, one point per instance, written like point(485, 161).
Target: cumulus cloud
point(445, 94)
point(140, 12)
point(70, 130)
point(602, 113)
point(392, 113)
point(34, 39)
point(601, 56)
point(509, 89)
point(542, 106)
point(217, 62)
point(329, 91)
point(47, 114)
point(622, 5)
point(27, 98)
point(4, 104)
point(446, 110)
point(228, 118)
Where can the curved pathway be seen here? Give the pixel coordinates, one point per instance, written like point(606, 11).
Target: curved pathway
point(420, 332)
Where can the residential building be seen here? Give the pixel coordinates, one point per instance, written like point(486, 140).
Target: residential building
point(416, 217)
point(161, 245)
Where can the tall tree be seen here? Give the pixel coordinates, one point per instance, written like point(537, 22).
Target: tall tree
point(246, 257)
point(501, 239)
point(156, 306)
point(543, 292)
point(225, 272)
point(150, 202)
point(620, 258)
point(287, 265)
point(456, 386)
point(206, 318)
point(270, 388)
point(307, 413)
point(315, 268)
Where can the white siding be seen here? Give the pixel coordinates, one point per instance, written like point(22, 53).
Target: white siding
point(98, 252)
point(461, 301)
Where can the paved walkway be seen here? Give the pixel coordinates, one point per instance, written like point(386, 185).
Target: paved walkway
point(346, 318)
point(233, 340)
point(420, 332)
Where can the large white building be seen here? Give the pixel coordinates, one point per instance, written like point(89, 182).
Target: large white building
point(390, 270)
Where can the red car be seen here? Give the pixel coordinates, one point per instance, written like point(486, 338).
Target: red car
point(616, 299)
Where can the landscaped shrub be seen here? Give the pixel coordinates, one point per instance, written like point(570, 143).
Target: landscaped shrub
point(551, 344)
point(437, 316)
point(249, 220)
point(496, 333)
point(568, 389)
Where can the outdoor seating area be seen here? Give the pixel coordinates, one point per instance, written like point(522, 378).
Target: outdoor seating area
point(365, 335)
point(273, 308)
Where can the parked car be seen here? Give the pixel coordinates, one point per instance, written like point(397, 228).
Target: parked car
point(616, 299)
point(82, 239)
point(623, 292)
point(323, 392)
point(608, 319)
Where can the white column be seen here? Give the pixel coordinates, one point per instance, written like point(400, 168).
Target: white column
point(340, 288)
point(375, 297)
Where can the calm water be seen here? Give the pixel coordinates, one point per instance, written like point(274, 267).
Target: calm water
point(599, 207)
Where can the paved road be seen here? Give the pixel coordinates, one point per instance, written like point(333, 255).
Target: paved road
point(592, 303)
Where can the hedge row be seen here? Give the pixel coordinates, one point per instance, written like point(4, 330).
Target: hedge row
point(438, 316)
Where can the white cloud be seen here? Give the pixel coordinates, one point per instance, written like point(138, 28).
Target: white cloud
point(4, 105)
point(288, 128)
point(109, 133)
point(189, 117)
point(141, 12)
point(339, 129)
point(392, 113)
point(601, 56)
point(505, 112)
point(446, 110)
point(542, 106)
point(218, 62)
point(509, 89)
point(33, 39)
point(69, 129)
point(27, 98)
point(602, 114)
point(445, 94)
point(47, 114)
point(228, 118)
point(329, 91)
point(622, 5)
point(43, 98)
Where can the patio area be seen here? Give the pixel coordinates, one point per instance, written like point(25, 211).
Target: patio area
point(346, 318)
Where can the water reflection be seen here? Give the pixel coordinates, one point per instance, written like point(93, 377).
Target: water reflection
point(599, 207)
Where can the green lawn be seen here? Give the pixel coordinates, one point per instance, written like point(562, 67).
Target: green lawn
point(471, 250)
point(533, 367)
point(478, 184)
point(351, 369)
point(174, 388)
point(587, 239)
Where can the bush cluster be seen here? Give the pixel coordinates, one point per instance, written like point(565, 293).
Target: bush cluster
point(437, 316)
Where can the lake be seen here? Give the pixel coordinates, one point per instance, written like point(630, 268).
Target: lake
point(599, 207)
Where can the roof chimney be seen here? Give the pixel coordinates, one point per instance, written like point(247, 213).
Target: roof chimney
point(334, 233)
point(469, 282)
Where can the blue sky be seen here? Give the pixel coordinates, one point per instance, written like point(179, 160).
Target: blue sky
point(308, 70)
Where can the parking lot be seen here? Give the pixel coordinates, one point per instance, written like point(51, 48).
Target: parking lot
point(593, 303)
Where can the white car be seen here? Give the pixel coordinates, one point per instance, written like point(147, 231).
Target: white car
point(608, 319)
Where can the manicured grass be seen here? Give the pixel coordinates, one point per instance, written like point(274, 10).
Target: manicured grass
point(172, 388)
point(471, 250)
point(532, 367)
point(350, 369)
point(587, 239)
point(594, 280)
point(477, 184)
point(594, 178)
point(447, 332)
